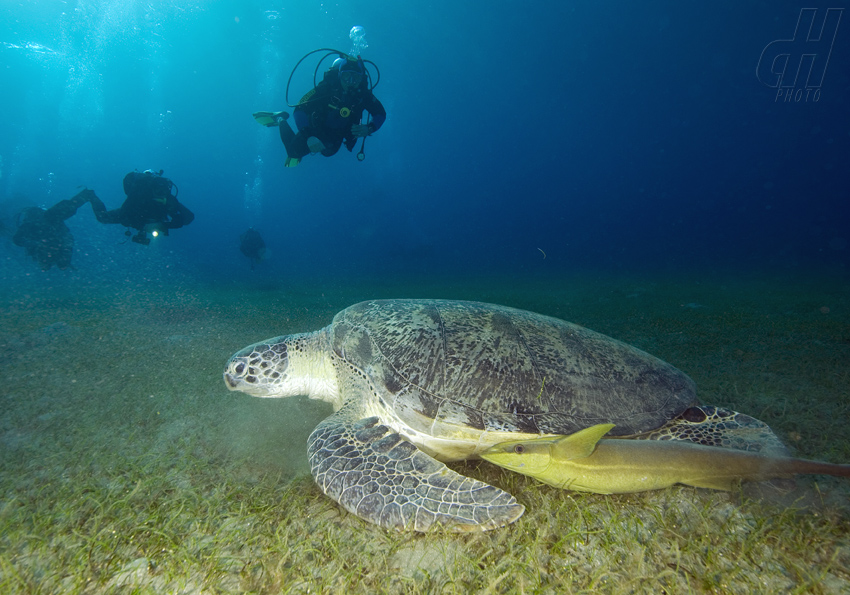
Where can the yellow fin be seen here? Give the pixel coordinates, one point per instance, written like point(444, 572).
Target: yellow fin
point(581, 444)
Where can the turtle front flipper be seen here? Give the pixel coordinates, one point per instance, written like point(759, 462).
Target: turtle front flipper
point(383, 478)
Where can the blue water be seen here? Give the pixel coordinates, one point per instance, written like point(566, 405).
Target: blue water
point(637, 168)
point(606, 137)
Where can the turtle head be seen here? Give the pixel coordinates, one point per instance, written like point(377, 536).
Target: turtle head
point(283, 367)
point(259, 369)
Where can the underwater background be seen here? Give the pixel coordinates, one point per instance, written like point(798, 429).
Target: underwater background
point(647, 170)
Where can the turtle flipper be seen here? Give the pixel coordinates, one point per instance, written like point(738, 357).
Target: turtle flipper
point(716, 426)
point(381, 477)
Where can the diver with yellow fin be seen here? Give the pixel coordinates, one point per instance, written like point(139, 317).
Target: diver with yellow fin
point(331, 113)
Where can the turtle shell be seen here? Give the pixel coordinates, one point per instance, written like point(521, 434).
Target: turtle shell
point(492, 368)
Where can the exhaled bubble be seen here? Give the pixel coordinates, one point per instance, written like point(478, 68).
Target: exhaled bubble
point(357, 35)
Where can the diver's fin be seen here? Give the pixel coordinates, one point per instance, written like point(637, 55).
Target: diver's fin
point(291, 162)
point(581, 444)
point(270, 118)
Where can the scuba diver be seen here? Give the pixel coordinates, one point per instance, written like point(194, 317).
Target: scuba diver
point(44, 234)
point(251, 244)
point(150, 206)
point(330, 114)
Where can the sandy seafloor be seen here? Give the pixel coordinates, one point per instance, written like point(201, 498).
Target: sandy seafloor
point(126, 466)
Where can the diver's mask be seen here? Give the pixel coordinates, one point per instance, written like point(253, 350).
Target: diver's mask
point(350, 79)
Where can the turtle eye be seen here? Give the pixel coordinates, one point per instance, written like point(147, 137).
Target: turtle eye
point(519, 449)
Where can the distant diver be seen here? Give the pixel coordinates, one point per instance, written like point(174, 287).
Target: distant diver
point(330, 114)
point(150, 206)
point(251, 244)
point(44, 234)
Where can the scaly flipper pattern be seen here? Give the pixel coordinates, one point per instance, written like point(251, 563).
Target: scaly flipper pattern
point(379, 476)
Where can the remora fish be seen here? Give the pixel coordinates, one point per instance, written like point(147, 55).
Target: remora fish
point(585, 462)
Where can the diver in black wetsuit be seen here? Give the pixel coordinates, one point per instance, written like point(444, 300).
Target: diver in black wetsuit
point(251, 244)
point(150, 206)
point(330, 114)
point(44, 234)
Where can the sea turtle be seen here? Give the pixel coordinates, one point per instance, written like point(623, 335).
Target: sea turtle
point(417, 382)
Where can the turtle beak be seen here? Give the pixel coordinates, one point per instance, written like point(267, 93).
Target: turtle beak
point(236, 372)
point(231, 382)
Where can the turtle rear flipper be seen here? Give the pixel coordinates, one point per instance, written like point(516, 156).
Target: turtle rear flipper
point(381, 477)
point(717, 426)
